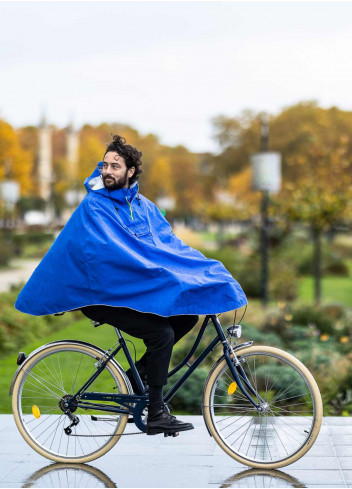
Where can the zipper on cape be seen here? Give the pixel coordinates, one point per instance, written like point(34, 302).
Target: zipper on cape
point(130, 207)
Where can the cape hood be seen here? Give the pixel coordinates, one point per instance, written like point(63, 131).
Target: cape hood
point(118, 249)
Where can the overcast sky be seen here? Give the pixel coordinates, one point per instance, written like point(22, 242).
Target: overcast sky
point(169, 67)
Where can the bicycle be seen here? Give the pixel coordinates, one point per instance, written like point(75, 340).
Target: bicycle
point(260, 404)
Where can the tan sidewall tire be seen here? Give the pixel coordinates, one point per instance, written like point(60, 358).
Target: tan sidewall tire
point(64, 466)
point(277, 475)
point(17, 417)
point(316, 395)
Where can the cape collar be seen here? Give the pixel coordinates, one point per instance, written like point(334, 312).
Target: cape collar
point(95, 183)
point(124, 194)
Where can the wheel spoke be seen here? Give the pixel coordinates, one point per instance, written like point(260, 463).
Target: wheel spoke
point(43, 386)
point(285, 423)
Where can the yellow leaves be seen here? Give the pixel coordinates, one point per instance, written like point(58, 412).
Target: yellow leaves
point(301, 160)
point(345, 139)
point(289, 186)
point(241, 183)
point(91, 152)
point(240, 186)
point(15, 163)
point(160, 177)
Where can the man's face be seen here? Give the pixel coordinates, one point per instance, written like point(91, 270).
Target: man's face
point(115, 174)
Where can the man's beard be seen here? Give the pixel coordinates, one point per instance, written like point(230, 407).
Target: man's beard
point(120, 183)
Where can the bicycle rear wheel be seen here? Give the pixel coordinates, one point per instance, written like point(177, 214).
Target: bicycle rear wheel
point(288, 426)
point(48, 379)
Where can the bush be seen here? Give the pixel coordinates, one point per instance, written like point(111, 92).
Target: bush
point(32, 237)
point(30, 203)
point(332, 262)
point(315, 316)
point(5, 253)
point(189, 396)
point(33, 244)
point(283, 284)
point(261, 336)
point(36, 251)
point(228, 256)
point(249, 277)
point(334, 265)
point(17, 328)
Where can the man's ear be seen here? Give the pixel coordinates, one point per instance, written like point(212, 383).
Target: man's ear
point(132, 168)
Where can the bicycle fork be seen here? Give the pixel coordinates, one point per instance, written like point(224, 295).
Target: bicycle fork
point(237, 371)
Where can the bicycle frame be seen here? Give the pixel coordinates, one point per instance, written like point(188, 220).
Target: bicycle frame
point(135, 403)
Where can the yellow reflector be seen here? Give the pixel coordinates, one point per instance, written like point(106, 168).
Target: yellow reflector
point(232, 388)
point(35, 411)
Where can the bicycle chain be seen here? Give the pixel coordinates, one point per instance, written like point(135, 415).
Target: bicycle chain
point(122, 434)
point(96, 436)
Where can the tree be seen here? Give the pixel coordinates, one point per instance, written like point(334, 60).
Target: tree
point(90, 153)
point(185, 180)
point(15, 163)
point(159, 178)
point(316, 149)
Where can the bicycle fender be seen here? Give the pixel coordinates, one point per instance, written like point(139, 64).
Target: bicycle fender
point(47, 345)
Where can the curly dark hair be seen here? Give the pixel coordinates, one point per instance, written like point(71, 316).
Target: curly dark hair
point(130, 154)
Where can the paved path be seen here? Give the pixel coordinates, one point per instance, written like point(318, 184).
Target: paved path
point(190, 460)
point(20, 271)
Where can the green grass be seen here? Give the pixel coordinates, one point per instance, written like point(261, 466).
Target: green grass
point(334, 289)
point(103, 336)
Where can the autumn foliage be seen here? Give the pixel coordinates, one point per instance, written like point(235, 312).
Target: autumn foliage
point(315, 144)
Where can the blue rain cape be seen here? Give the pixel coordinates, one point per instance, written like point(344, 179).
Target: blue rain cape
point(118, 249)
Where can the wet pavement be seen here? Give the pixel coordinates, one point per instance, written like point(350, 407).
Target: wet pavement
point(192, 459)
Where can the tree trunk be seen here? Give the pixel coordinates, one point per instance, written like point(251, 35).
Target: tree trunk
point(317, 265)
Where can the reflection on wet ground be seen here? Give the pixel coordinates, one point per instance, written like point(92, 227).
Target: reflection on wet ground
point(192, 459)
point(262, 478)
point(84, 475)
point(69, 475)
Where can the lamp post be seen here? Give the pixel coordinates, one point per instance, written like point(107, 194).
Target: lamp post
point(266, 170)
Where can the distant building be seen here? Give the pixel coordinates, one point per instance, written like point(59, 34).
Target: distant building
point(44, 160)
point(72, 150)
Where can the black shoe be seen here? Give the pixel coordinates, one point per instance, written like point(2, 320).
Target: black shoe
point(143, 375)
point(161, 421)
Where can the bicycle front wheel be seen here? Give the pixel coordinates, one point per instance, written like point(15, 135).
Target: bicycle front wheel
point(288, 426)
point(45, 383)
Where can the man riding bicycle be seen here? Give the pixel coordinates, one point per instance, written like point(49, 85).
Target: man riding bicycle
point(118, 261)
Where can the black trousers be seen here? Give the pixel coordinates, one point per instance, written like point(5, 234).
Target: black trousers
point(158, 333)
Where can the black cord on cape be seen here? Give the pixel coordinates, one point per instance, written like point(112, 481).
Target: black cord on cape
point(117, 209)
